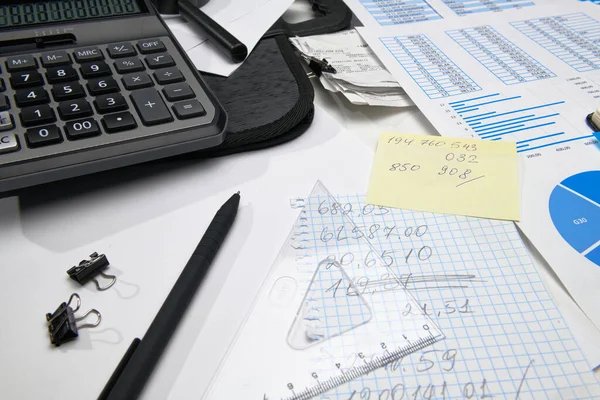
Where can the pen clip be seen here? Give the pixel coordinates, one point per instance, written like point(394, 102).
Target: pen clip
point(318, 66)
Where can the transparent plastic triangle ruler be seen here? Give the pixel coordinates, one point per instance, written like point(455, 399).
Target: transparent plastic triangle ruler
point(314, 326)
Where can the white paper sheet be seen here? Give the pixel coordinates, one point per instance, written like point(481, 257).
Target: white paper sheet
point(247, 20)
point(517, 76)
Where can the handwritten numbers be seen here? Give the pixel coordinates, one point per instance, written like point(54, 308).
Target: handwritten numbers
point(465, 174)
point(423, 254)
point(461, 158)
point(428, 364)
point(449, 355)
point(462, 174)
point(466, 146)
point(398, 392)
point(335, 287)
point(405, 167)
point(322, 209)
point(469, 390)
point(400, 140)
point(373, 230)
point(325, 235)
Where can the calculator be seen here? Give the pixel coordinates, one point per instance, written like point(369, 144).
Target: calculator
point(91, 85)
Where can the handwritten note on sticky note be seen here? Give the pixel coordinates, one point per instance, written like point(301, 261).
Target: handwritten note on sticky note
point(446, 175)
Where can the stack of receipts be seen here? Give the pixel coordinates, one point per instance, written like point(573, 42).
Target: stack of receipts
point(359, 76)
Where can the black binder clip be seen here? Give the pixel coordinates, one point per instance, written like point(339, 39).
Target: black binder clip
point(88, 270)
point(62, 324)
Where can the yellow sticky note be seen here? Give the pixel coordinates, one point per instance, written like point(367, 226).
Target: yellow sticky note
point(446, 175)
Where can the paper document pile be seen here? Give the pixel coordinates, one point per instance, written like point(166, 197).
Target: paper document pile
point(360, 76)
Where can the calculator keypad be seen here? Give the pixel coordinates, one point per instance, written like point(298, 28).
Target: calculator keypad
point(95, 69)
point(67, 100)
point(118, 122)
point(43, 136)
point(82, 129)
point(4, 103)
point(6, 122)
point(37, 115)
point(8, 143)
point(26, 79)
point(31, 97)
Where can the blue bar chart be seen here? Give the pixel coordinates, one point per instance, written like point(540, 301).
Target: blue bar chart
point(466, 7)
point(532, 126)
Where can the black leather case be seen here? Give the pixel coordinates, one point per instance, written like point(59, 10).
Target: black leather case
point(269, 99)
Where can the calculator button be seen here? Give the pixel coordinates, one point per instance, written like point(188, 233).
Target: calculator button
point(31, 97)
point(110, 103)
point(55, 58)
point(151, 46)
point(37, 115)
point(119, 50)
point(20, 63)
point(8, 143)
point(137, 81)
point(168, 75)
point(67, 91)
point(102, 86)
point(6, 122)
point(132, 64)
point(95, 69)
point(73, 109)
point(159, 61)
point(43, 136)
point(4, 103)
point(150, 106)
point(88, 54)
point(188, 109)
point(65, 73)
point(118, 122)
point(25, 79)
point(178, 91)
point(82, 129)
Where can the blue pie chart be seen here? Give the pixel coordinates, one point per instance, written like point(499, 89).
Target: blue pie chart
point(575, 212)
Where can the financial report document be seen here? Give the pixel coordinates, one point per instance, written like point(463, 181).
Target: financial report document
point(519, 71)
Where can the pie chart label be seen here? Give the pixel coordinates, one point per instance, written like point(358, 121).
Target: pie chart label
point(575, 212)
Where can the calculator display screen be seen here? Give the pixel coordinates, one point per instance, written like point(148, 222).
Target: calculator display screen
point(50, 11)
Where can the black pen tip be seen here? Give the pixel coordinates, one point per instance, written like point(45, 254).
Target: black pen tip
point(238, 192)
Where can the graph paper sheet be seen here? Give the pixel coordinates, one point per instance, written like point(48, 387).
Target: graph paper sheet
point(528, 76)
point(505, 338)
point(312, 327)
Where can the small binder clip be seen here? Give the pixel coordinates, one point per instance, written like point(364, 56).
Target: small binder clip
point(88, 270)
point(62, 324)
point(593, 120)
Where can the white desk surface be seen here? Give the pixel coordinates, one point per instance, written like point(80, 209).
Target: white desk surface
point(147, 220)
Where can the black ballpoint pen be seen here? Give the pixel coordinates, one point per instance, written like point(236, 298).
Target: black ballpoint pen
point(220, 37)
point(217, 35)
point(136, 366)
